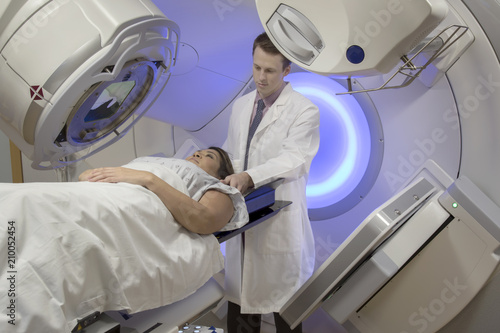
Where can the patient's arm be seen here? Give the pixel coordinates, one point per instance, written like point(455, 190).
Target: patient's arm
point(210, 214)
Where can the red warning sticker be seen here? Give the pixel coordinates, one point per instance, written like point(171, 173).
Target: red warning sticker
point(36, 93)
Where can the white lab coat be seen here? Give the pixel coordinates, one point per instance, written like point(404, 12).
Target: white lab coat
point(278, 255)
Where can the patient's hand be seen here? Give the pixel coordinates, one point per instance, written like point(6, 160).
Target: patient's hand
point(119, 174)
point(84, 176)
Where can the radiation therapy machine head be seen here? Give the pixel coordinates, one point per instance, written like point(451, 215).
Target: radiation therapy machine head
point(349, 38)
point(76, 74)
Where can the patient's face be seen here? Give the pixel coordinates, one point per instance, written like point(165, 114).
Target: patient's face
point(207, 159)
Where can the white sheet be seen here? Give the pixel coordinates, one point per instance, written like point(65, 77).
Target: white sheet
point(85, 247)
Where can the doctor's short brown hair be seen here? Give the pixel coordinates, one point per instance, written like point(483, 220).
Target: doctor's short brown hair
point(264, 42)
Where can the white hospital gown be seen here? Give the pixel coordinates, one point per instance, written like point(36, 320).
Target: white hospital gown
point(197, 182)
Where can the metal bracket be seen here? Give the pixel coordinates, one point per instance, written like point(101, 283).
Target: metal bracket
point(408, 70)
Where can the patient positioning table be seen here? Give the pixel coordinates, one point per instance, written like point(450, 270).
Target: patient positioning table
point(261, 205)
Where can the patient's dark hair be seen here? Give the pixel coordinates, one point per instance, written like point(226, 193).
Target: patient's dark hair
point(226, 167)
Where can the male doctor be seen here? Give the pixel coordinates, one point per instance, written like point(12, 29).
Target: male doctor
point(266, 265)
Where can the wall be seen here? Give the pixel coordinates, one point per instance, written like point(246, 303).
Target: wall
point(5, 167)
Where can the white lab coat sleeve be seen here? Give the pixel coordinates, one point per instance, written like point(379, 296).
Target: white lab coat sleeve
point(298, 148)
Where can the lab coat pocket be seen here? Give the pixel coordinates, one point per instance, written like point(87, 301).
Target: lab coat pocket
point(283, 235)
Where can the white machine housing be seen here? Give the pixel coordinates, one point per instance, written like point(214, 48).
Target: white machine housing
point(413, 264)
point(107, 65)
point(362, 43)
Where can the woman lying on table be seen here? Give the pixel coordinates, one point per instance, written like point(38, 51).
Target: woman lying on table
point(130, 238)
point(204, 215)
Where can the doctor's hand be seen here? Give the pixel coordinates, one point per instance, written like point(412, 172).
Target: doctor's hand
point(242, 181)
point(117, 175)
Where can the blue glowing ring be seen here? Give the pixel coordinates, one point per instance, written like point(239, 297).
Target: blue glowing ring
point(340, 176)
point(343, 172)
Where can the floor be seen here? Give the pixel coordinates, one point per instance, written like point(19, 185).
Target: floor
point(318, 322)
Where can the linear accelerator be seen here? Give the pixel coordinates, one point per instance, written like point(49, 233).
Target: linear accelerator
point(424, 256)
point(62, 96)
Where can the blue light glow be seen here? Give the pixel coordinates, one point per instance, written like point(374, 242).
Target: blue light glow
point(345, 140)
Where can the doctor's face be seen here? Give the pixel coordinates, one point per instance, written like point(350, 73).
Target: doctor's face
point(268, 72)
